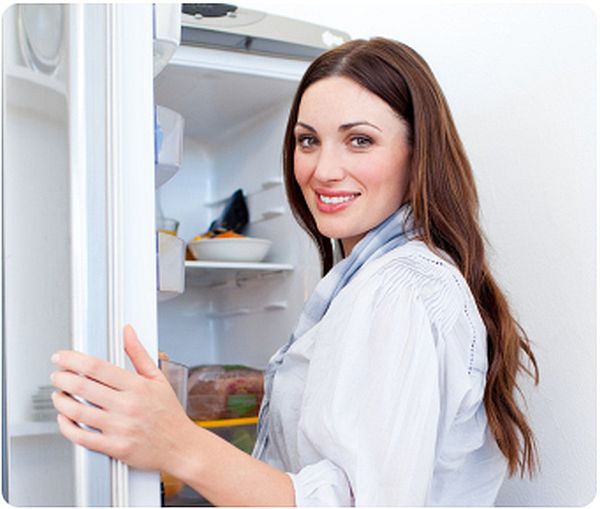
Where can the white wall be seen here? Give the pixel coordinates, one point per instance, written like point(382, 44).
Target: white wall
point(521, 82)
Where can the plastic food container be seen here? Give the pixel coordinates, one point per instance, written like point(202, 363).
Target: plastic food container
point(177, 375)
point(224, 392)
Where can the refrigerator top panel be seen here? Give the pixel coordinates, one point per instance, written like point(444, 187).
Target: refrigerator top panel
point(231, 27)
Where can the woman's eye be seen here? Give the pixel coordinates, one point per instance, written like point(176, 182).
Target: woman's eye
point(306, 141)
point(361, 141)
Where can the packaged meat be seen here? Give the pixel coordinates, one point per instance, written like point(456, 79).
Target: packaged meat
point(224, 392)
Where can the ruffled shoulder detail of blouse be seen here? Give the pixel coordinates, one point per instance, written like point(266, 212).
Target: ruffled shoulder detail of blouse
point(431, 278)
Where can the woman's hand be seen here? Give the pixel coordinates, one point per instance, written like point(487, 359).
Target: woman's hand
point(138, 417)
point(140, 422)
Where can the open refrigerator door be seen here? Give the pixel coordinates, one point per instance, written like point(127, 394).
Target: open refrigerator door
point(78, 231)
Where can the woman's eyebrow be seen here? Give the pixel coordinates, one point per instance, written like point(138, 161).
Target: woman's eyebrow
point(350, 125)
point(306, 126)
point(343, 127)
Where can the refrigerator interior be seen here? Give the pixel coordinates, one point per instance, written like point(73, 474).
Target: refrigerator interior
point(37, 263)
point(235, 108)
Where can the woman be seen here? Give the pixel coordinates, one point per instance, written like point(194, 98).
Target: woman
point(398, 384)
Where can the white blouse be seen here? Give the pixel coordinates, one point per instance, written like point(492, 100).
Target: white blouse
point(380, 403)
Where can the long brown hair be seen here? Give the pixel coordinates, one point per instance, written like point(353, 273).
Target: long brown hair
point(445, 208)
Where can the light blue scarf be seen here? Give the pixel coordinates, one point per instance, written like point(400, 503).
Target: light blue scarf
point(395, 231)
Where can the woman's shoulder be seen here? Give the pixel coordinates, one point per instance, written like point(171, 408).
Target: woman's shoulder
point(417, 265)
point(415, 269)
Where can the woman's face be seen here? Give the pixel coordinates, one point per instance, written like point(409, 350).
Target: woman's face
point(351, 159)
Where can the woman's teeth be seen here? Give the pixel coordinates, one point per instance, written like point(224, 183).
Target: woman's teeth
point(336, 199)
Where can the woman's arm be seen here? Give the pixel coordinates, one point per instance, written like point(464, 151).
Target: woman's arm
point(140, 422)
point(227, 476)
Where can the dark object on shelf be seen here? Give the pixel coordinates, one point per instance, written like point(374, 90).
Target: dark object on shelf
point(234, 216)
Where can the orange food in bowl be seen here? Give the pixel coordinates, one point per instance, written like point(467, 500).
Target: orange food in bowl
point(202, 236)
point(171, 485)
point(229, 235)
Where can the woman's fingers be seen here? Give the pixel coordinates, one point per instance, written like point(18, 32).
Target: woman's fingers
point(103, 439)
point(142, 362)
point(91, 390)
point(79, 412)
point(88, 439)
point(92, 367)
point(105, 372)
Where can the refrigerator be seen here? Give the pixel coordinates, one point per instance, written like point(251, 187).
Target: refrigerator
point(116, 117)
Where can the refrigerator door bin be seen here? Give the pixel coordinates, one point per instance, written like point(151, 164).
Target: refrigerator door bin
point(167, 33)
point(41, 34)
point(169, 141)
point(171, 275)
point(33, 91)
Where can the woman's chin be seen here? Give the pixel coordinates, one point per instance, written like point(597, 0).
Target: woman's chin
point(337, 233)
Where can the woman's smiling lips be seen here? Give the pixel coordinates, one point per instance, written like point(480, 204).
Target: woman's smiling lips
point(329, 200)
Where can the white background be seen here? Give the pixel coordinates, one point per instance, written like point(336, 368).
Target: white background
point(521, 81)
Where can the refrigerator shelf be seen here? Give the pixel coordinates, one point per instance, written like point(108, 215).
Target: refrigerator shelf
point(273, 306)
point(34, 428)
point(206, 273)
point(25, 74)
point(264, 186)
point(33, 91)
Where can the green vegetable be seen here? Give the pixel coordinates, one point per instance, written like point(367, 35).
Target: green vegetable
point(241, 404)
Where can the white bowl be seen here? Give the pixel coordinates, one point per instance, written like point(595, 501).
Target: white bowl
point(246, 249)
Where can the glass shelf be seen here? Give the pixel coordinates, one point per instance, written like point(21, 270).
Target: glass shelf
point(206, 273)
point(33, 91)
point(33, 428)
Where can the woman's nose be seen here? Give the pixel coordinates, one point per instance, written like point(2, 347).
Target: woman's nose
point(329, 165)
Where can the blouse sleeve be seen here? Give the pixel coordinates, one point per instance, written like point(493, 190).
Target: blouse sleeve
point(372, 402)
point(322, 484)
